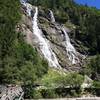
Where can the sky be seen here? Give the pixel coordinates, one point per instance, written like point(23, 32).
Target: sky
point(93, 3)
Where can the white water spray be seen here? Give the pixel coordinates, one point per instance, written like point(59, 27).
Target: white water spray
point(52, 16)
point(71, 51)
point(43, 43)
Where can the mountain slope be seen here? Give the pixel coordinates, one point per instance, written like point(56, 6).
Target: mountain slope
point(50, 48)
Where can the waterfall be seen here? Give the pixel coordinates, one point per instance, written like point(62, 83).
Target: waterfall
point(43, 43)
point(71, 51)
point(52, 16)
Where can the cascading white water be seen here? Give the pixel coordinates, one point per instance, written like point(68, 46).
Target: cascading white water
point(43, 43)
point(52, 16)
point(71, 51)
point(27, 5)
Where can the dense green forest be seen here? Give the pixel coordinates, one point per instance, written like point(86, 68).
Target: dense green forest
point(20, 63)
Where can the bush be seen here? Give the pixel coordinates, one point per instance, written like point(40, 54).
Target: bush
point(95, 89)
point(19, 62)
point(56, 79)
point(49, 93)
point(96, 84)
point(92, 68)
point(32, 93)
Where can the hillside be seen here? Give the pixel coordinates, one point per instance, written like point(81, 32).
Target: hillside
point(50, 48)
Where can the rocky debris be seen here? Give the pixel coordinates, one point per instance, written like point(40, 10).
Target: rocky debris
point(11, 92)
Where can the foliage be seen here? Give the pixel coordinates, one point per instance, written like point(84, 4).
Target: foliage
point(96, 84)
point(19, 62)
point(24, 65)
point(30, 92)
point(50, 79)
point(9, 16)
point(49, 93)
point(55, 79)
point(74, 79)
point(92, 68)
point(57, 84)
point(95, 89)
